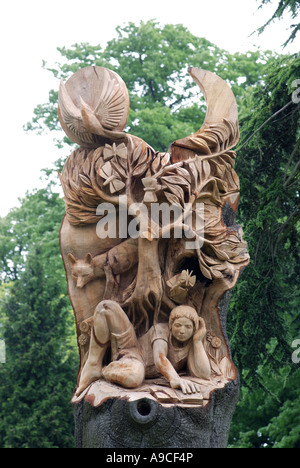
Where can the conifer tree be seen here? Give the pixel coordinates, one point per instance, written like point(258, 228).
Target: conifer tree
point(37, 379)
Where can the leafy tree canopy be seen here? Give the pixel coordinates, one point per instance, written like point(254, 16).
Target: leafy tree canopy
point(290, 6)
point(38, 373)
point(265, 304)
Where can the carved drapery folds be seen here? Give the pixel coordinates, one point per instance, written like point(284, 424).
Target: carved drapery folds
point(120, 242)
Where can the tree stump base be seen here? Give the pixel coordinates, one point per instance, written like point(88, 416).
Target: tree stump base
point(144, 423)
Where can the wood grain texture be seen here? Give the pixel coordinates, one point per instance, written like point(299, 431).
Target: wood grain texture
point(147, 277)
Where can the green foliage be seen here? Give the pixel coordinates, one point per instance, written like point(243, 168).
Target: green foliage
point(269, 210)
point(265, 303)
point(37, 378)
point(39, 373)
point(290, 6)
point(268, 417)
point(37, 223)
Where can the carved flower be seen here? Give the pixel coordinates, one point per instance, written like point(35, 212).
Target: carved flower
point(151, 186)
point(111, 151)
point(216, 342)
point(179, 286)
point(83, 339)
point(111, 178)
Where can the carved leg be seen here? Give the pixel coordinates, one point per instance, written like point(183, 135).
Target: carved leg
point(100, 340)
point(112, 327)
point(129, 372)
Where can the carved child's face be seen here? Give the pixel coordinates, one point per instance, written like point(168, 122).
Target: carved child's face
point(182, 329)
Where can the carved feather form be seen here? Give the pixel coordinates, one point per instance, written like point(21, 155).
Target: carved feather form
point(72, 116)
point(111, 105)
point(220, 130)
point(93, 103)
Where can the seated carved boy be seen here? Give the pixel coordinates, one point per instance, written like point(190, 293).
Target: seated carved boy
point(164, 350)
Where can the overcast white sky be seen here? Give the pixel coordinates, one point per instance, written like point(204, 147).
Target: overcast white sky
point(31, 30)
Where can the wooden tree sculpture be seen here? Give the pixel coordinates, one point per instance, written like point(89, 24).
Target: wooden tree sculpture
point(149, 245)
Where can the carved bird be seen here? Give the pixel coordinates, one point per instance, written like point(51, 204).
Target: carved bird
point(99, 107)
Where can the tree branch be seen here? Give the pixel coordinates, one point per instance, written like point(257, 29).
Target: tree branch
point(263, 125)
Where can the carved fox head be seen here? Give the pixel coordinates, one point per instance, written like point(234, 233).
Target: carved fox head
point(82, 270)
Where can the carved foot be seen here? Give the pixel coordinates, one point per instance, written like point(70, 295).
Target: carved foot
point(127, 372)
point(90, 373)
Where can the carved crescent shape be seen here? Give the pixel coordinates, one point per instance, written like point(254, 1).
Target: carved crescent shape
point(220, 130)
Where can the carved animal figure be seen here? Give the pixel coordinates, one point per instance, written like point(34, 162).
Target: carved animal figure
point(84, 271)
point(117, 260)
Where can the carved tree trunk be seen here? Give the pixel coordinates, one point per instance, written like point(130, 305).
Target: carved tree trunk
point(148, 425)
point(127, 293)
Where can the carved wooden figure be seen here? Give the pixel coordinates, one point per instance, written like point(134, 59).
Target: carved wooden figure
point(150, 246)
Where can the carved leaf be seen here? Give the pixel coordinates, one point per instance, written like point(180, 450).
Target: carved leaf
point(155, 164)
point(116, 185)
point(198, 164)
point(206, 169)
point(184, 173)
point(220, 254)
point(85, 179)
point(239, 252)
point(194, 175)
point(140, 170)
point(124, 163)
point(69, 194)
point(91, 194)
point(86, 166)
point(165, 160)
point(205, 271)
point(172, 199)
point(74, 187)
point(216, 273)
point(177, 180)
point(178, 191)
point(143, 157)
point(97, 153)
point(137, 152)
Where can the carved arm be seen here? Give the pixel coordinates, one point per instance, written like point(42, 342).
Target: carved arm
point(164, 367)
point(198, 362)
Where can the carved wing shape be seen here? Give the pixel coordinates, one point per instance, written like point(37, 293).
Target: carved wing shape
point(111, 106)
point(93, 105)
point(220, 130)
point(71, 116)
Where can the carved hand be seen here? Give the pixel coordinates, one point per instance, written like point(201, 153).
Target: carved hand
point(185, 385)
point(200, 334)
